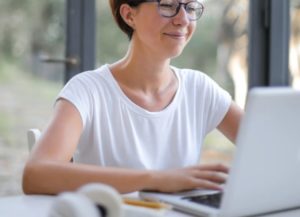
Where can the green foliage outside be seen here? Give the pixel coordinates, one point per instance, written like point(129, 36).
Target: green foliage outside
point(33, 28)
point(26, 102)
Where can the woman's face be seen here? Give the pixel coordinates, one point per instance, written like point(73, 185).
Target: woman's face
point(161, 36)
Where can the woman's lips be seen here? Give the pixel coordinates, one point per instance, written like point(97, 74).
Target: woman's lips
point(176, 35)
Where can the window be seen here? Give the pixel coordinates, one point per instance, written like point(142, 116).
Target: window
point(30, 31)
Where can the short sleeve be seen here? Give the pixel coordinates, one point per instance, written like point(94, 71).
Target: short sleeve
point(76, 91)
point(218, 102)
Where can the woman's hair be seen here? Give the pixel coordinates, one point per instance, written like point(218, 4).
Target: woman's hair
point(115, 9)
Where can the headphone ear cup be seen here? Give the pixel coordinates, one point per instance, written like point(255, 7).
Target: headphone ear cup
point(73, 205)
point(105, 197)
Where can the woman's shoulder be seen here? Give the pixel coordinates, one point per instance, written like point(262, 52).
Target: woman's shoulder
point(91, 78)
point(102, 71)
point(191, 75)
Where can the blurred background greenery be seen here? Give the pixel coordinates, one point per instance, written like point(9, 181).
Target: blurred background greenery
point(31, 29)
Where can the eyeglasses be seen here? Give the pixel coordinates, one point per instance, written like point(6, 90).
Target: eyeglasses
point(170, 8)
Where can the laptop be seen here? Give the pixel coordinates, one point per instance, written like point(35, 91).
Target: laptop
point(265, 172)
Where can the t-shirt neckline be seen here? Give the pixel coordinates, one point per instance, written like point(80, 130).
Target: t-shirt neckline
point(138, 109)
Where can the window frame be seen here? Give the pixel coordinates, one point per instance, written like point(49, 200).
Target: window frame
point(80, 36)
point(269, 35)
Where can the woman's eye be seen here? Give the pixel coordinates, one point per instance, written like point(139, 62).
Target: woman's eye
point(191, 10)
point(167, 6)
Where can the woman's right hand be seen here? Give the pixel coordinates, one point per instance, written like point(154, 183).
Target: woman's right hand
point(210, 176)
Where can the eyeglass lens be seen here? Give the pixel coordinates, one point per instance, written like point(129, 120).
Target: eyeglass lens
point(170, 8)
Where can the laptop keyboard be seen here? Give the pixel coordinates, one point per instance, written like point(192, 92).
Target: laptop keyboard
point(212, 200)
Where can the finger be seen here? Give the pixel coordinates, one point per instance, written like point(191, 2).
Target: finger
point(216, 177)
point(205, 184)
point(215, 167)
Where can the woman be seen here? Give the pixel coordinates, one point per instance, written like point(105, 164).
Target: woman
point(138, 123)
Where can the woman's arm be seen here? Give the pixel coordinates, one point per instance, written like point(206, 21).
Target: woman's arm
point(231, 122)
point(49, 170)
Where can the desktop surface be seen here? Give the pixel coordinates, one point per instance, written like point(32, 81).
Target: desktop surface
point(39, 206)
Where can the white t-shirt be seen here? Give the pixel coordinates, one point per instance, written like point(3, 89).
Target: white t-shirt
point(119, 133)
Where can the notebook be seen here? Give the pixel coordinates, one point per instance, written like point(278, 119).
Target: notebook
point(265, 172)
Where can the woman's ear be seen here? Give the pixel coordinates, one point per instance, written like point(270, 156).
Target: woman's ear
point(127, 13)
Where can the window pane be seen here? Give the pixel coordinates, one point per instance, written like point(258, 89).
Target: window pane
point(111, 42)
point(29, 30)
point(219, 46)
point(220, 49)
point(294, 61)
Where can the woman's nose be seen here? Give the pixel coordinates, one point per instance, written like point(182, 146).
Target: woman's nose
point(181, 17)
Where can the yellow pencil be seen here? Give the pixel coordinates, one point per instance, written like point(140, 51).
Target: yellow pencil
point(148, 204)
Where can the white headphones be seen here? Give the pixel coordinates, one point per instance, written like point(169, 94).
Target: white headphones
point(92, 200)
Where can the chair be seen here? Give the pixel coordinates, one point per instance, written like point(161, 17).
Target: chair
point(32, 136)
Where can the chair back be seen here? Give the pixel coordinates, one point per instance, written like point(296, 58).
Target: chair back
point(32, 136)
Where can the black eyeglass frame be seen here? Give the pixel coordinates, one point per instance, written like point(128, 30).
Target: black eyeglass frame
point(136, 3)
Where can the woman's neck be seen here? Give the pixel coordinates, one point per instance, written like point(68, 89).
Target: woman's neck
point(146, 80)
point(142, 70)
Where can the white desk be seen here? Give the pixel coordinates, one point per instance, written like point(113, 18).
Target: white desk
point(39, 206)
